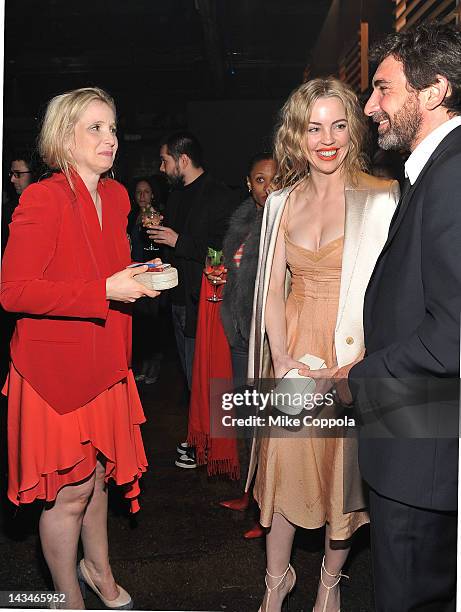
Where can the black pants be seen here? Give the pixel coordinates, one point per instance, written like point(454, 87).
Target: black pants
point(146, 337)
point(185, 345)
point(239, 354)
point(414, 557)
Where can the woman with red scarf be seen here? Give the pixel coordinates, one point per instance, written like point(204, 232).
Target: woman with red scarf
point(224, 329)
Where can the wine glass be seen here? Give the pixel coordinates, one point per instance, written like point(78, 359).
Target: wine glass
point(214, 266)
point(151, 218)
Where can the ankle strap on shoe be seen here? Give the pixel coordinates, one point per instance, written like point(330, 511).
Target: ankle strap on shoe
point(282, 576)
point(337, 576)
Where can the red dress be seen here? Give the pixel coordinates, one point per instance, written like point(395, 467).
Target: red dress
point(71, 394)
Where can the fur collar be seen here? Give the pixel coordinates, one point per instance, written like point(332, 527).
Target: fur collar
point(236, 309)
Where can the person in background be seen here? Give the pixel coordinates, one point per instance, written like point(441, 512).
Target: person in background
point(145, 192)
point(325, 228)
point(23, 172)
point(197, 214)
point(240, 250)
point(74, 413)
point(147, 357)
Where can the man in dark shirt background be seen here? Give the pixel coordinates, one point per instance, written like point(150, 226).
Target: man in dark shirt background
point(22, 173)
point(198, 210)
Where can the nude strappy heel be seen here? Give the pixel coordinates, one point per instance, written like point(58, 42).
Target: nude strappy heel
point(338, 579)
point(291, 569)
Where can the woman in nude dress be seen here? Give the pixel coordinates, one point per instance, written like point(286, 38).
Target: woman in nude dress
point(325, 226)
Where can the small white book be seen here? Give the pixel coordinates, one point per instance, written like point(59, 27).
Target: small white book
point(290, 393)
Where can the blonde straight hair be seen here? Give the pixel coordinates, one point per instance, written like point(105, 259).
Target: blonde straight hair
point(290, 136)
point(62, 113)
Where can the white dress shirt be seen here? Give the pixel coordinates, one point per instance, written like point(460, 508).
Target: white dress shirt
point(417, 160)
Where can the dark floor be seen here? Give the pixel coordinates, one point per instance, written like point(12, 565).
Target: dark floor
point(182, 551)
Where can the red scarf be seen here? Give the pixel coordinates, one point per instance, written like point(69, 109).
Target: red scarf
point(212, 360)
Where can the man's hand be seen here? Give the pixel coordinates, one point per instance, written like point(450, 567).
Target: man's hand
point(326, 378)
point(163, 235)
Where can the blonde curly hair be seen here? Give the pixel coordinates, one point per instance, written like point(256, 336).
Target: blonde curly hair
point(289, 143)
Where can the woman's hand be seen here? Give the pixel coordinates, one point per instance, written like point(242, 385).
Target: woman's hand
point(122, 287)
point(214, 277)
point(285, 363)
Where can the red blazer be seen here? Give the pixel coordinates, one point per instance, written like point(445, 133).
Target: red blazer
point(70, 343)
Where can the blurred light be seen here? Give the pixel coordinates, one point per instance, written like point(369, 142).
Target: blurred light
point(132, 137)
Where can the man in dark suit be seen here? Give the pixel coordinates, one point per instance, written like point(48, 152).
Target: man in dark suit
point(406, 388)
point(196, 218)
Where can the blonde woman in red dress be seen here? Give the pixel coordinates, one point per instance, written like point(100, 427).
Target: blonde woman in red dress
point(74, 414)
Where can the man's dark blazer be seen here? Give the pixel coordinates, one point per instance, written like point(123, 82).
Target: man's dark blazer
point(204, 225)
point(412, 323)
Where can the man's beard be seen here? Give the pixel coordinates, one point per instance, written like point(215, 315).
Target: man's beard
point(177, 179)
point(403, 128)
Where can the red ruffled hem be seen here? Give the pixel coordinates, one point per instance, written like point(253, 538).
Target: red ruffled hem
point(47, 450)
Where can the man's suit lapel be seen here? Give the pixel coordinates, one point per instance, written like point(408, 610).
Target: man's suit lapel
point(405, 201)
point(403, 206)
point(401, 209)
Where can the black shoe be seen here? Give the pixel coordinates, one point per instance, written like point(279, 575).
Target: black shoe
point(183, 448)
point(186, 461)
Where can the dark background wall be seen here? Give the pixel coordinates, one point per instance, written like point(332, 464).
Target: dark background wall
point(160, 61)
point(341, 27)
point(219, 67)
point(231, 132)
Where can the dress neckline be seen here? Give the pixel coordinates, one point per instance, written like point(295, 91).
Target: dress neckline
point(322, 248)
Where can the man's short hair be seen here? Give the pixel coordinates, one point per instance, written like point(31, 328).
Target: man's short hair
point(184, 143)
point(427, 50)
point(31, 160)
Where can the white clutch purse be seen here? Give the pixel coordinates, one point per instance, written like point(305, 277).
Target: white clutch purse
point(293, 388)
point(158, 281)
